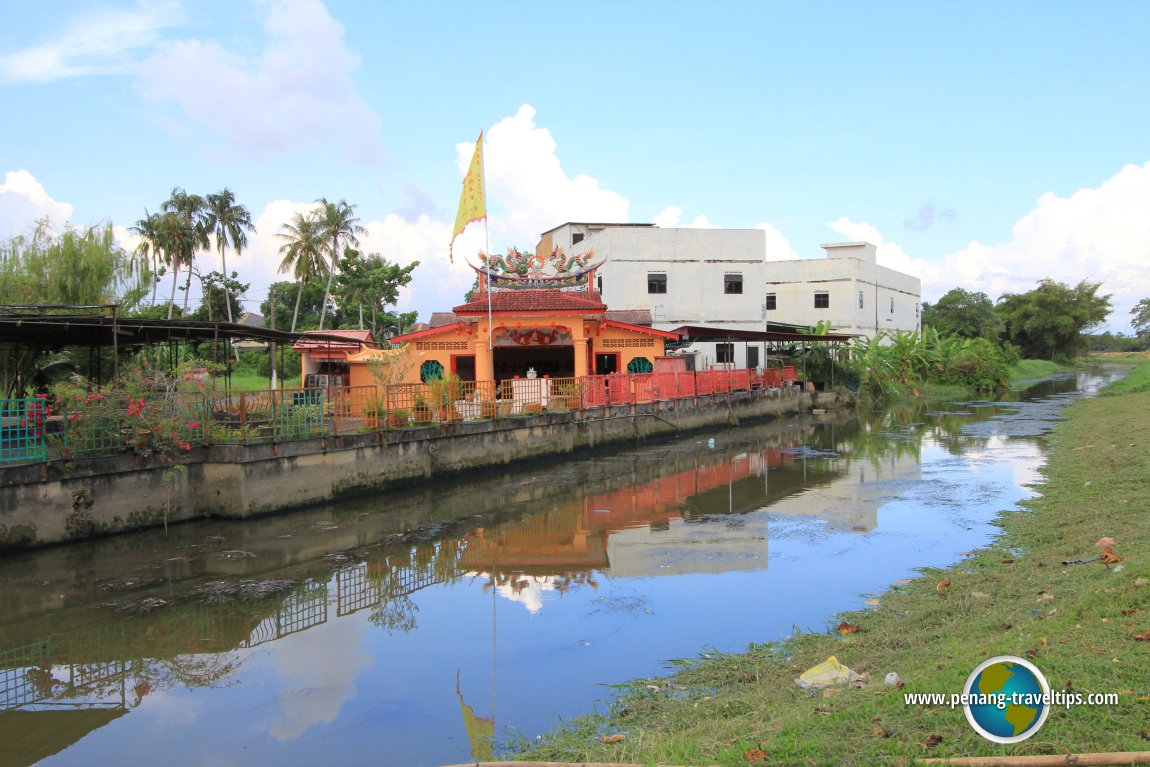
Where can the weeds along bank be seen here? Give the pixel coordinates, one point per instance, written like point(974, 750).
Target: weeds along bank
point(1085, 626)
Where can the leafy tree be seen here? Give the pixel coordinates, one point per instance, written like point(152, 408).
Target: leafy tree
point(338, 227)
point(308, 296)
point(77, 267)
point(1049, 321)
point(303, 255)
point(220, 297)
point(370, 282)
point(73, 267)
point(230, 223)
point(1141, 321)
point(963, 313)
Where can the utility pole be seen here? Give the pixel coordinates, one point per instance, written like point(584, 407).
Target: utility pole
point(272, 299)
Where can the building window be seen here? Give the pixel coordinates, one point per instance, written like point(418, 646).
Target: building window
point(732, 283)
point(431, 370)
point(772, 304)
point(822, 299)
point(892, 305)
point(752, 356)
point(724, 353)
point(576, 238)
point(862, 304)
point(640, 365)
point(599, 282)
point(656, 282)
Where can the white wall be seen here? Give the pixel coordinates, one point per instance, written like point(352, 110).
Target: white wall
point(696, 260)
point(890, 299)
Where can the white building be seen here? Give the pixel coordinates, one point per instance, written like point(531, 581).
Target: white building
point(847, 289)
point(683, 276)
point(722, 278)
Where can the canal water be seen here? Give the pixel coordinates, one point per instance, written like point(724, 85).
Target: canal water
point(416, 628)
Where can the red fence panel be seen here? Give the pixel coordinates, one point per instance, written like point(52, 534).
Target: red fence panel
point(594, 391)
point(619, 389)
point(643, 387)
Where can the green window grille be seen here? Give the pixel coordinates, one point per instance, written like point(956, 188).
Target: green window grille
point(640, 365)
point(432, 370)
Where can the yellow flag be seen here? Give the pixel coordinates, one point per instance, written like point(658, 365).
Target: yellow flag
point(472, 205)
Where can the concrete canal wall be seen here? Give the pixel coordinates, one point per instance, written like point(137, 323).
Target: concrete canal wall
point(66, 501)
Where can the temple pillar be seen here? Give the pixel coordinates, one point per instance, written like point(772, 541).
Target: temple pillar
point(484, 359)
point(580, 357)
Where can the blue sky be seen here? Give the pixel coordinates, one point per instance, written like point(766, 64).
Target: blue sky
point(980, 144)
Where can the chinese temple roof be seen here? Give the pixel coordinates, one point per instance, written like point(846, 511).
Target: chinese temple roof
point(518, 301)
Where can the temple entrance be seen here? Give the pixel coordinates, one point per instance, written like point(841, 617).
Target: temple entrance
point(551, 361)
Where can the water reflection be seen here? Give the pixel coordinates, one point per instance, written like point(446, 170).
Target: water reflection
point(375, 627)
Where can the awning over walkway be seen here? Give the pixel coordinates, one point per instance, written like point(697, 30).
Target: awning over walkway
point(691, 333)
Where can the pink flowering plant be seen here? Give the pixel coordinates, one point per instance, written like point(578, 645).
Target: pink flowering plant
point(145, 410)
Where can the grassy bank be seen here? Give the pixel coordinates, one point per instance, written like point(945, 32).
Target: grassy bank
point(1077, 622)
point(1026, 369)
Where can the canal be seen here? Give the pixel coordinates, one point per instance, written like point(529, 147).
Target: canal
point(415, 628)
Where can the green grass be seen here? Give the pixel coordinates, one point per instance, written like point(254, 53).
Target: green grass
point(1137, 380)
point(245, 381)
point(1015, 597)
point(1026, 369)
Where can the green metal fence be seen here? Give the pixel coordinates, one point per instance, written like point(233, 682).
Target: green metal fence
point(23, 425)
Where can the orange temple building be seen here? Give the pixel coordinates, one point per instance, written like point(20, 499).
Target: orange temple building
point(531, 316)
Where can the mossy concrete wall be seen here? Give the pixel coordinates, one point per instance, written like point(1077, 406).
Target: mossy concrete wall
point(57, 501)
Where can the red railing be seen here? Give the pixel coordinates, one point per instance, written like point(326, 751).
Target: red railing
point(284, 415)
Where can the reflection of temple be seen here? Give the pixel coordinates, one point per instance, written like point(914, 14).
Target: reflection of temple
point(625, 530)
point(684, 509)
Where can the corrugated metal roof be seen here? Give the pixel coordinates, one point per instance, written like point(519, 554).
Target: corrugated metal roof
point(629, 316)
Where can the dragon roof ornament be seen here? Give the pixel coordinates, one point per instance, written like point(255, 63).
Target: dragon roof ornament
point(518, 269)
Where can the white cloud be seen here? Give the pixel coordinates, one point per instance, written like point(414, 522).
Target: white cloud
point(670, 218)
point(778, 246)
point(889, 254)
point(1100, 234)
point(102, 42)
point(526, 180)
point(23, 200)
point(297, 91)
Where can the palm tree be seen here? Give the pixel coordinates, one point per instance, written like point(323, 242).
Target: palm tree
point(179, 241)
point(338, 227)
point(192, 212)
point(151, 245)
point(230, 223)
point(303, 254)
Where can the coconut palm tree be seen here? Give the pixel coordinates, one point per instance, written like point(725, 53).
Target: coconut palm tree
point(303, 255)
point(191, 209)
point(179, 241)
point(230, 223)
point(151, 245)
point(339, 229)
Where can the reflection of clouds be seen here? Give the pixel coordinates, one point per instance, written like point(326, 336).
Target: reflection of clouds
point(1023, 457)
point(319, 669)
point(170, 712)
point(528, 592)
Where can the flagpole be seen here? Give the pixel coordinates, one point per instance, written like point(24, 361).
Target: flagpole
point(487, 243)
